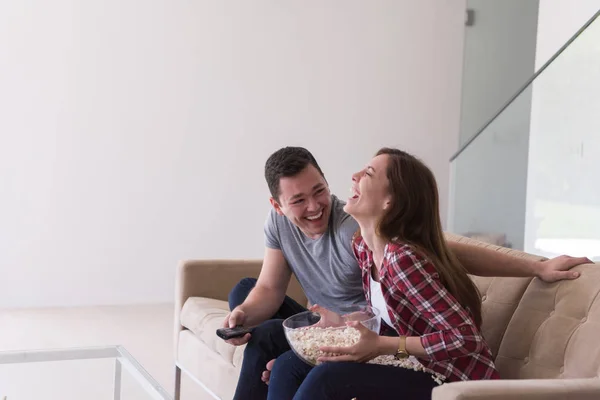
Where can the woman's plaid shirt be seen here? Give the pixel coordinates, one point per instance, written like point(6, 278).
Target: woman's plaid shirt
point(419, 305)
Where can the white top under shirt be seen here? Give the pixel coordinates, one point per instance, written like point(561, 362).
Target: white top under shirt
point(378, 301)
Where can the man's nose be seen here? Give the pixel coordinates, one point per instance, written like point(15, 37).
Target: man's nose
point(313, 204)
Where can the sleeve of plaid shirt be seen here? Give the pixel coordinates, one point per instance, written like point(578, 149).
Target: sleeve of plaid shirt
point(454, 333)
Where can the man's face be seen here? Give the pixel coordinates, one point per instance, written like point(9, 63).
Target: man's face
point(306, 201)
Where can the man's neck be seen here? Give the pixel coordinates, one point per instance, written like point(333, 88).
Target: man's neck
point(312, 236)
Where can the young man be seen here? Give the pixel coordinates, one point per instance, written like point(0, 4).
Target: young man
point(308, 234)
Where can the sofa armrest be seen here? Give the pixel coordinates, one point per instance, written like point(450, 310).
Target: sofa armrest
point(208, 278)
point(214, 279)
point(520, 389)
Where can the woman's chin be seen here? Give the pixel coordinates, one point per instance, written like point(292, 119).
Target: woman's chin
point(348, 209)
point(354, 214)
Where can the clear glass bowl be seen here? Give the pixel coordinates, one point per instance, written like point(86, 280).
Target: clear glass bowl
point(307, 331)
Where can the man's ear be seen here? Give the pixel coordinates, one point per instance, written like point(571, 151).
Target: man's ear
point(276, 206)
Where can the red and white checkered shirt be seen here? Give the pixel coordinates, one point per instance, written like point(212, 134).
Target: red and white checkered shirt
point(419, 305)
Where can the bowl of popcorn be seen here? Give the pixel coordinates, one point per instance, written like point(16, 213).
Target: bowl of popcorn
point(308, 331)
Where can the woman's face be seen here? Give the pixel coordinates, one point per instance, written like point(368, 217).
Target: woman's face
point(370, 191)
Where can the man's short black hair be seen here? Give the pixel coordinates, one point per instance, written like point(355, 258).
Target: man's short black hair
point(285, 163)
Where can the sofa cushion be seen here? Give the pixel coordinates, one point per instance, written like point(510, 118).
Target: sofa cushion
point(554, 330)
point(499, 300)
point(203, 316)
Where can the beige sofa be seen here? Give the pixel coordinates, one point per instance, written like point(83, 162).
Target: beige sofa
point(545, 337)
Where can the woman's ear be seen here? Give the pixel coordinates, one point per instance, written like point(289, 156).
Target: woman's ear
point(387, 203)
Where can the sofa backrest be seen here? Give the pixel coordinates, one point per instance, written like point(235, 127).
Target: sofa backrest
point(499, 296)
point(535, 329)
point(555, 330)
point(538, 330)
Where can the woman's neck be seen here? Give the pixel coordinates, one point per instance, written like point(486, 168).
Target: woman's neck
point(374, 242)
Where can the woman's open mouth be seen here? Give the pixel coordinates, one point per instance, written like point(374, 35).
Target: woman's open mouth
point(355, 194)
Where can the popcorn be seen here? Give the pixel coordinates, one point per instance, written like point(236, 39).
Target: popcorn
point(307, 341)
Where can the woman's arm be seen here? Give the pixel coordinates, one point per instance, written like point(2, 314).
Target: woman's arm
point(454, 331)
point(389, 345)
point(482, 261)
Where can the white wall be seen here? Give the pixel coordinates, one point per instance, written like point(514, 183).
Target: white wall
point(134, 134)
point(489, 180)
point(563, 196)
point(499, 58)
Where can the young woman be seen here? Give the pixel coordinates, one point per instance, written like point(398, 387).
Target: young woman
point(420, 288)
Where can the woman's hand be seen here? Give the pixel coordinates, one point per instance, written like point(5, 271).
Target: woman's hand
point(328, 318)
point(559, 268)
point(366, 349)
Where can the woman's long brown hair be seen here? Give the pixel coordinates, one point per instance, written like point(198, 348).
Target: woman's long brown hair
point(414, 219)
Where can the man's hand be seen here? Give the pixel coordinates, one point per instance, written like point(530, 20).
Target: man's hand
point(328, 317)
point(236, 318)
point(266, 375)
point(558, 268)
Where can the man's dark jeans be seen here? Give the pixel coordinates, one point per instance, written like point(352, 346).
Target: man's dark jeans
point(267, 342)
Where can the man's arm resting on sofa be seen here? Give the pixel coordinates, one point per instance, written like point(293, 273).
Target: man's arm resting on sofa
point(489, 260)
point(520, 389)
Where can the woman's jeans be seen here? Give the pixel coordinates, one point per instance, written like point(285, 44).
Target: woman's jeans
point(292, 378)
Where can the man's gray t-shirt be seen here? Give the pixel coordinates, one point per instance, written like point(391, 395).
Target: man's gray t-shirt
point(325, 267)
